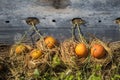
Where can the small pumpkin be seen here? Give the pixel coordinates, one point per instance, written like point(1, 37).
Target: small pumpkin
point(97, 51)
point(35, 53)
point(81, 50)
point(21, 48)
point(50, 42)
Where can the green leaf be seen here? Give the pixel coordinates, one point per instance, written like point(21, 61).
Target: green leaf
point(69, 77)
point(78, 75)
point(94, 77)
point(62, 75)
point(98, 67)
point(56, 61)
point(116, 77)
point(22, 78)
point(36, 73)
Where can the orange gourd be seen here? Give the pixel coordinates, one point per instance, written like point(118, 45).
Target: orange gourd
point(35, 53)
point(21, 48)
point(50, 42)
point(81, 50)
point(97, 51)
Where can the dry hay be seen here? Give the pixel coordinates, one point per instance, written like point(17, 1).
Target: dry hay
point(67, 52)
point(40, 44)
point(108, 54)
point(16, 64)
point(24, 64)
point(68, 56)
point(115, 47)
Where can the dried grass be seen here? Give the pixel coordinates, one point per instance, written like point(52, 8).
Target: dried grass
point(68, 56)
point(23, 66)
point(108, 54)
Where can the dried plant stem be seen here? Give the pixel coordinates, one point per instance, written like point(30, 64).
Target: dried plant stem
point(34, 27)
point(73, 32)
point(82, 39)
point(119, 27)
point(24, 35)
point(80, 33)
point(38, 32)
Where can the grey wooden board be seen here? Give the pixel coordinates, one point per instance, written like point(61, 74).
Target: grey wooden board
point(98, 14)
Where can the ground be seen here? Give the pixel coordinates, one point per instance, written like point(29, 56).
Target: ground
point(54, 67)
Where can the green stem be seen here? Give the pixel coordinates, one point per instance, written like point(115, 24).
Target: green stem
point(73, 32)
point(38, 32)
point(34, 27)
point(24, 36)
point(80, 34)
point(82, 39)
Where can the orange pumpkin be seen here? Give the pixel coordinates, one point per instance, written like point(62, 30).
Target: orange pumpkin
point(81, 50)
point(50, 42)
point(35, 53)
point(97, 51)
point(20, 49)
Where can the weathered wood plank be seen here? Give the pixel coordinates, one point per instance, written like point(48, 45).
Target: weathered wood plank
point(55, 17)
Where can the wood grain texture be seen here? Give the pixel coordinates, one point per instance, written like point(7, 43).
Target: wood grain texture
point(98, 14)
